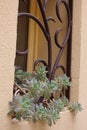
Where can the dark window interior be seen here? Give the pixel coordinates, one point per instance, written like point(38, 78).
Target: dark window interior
point(22, 35)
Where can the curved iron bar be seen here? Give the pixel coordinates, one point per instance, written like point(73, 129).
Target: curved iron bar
point(17, 68)
point(20, 53)
point(40, 61)
point(43, 15)
point(62, 68)
point(58, 31)
point(56, 38)
point(45, 31)
point(51, 18)
point(36, 20)
point(49, 37)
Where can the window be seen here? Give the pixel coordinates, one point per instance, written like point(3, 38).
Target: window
point(58, 55)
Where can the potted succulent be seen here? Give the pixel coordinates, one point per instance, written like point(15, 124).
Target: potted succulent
point(36, 98)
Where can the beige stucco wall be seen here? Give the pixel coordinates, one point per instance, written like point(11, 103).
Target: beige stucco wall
point(8, 23)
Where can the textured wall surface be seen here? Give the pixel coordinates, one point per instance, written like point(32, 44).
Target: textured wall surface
point(8, 24)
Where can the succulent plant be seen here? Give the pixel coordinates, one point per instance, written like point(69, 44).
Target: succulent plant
point(37, 98)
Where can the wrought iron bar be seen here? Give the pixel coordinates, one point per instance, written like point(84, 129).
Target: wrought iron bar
point(36, 20)
point(20, 53)
point(56, 65)
point(42, 9)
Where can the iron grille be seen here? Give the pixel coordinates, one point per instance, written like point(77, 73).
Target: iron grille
point(46, 31)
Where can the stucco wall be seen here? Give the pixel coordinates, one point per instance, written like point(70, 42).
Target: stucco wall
point(8, 23)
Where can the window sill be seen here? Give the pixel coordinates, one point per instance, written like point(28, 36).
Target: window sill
point(64, 123)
